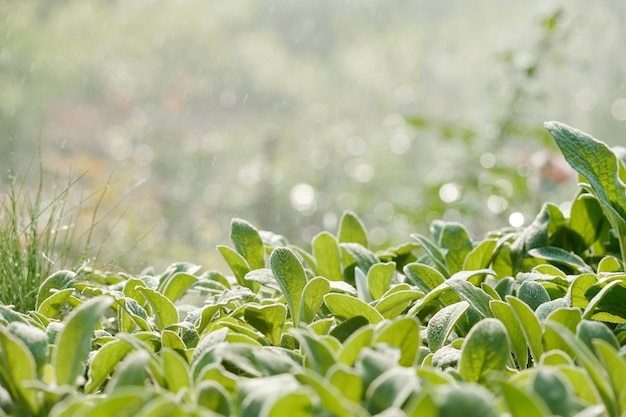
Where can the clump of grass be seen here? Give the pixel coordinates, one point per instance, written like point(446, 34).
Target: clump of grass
point(41, 231)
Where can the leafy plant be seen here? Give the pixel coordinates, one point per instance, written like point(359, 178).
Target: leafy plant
point(41, 234)
point(526, 322)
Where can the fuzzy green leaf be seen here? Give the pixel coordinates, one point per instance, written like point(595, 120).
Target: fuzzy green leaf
point(327, 254)
point(522, 404)
point(379, 278)
point(455, 241)
point(176, 286)
point(312, 298)
point(51, 305)
point(165, 313)
point(441, 324)
point(560, 256)
point(352, 230)
point(104, 361)
point(504, 312)
point(319, 354)
point(486, 349)
point(481, 256)
point(268, 319)
point(402, 333)
point(394, 303)
point(60, 280)
point(18, 369)
point(533, 294)
point(595, 161)
point(530, 325)
point(289, 273)
point(176, 370)
point(478, 299)
point(345, 306)
point(237, 264)
point(248, 243)
point(74, 341)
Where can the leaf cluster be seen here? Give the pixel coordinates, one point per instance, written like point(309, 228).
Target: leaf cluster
point(525, 322)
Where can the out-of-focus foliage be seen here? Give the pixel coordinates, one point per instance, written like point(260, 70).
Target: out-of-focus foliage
point(288, 114)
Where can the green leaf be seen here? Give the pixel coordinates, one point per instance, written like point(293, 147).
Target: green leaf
point(248, 243)
point(591, 364)
point(434, 253)
point(104, 361)
point(422, 406)
point(330, 397)
point(35, 340)
point(365, 258)
point(394, 303)
point(379, 278)
point(327, 254)
point(609, 264)
point(561, 257)
point(613, 305)
point(486, 349)
point(344, 306)
point(522, 404)
point(615, 366)
point(347, 327)
point(213, 396)
point(18, 370)
point(162, 406)
point(347, 381)
point(50, 306)
point(319, 355)
point(552, 387)
point(589, 331)
point(478, 299)
point(176, 286)
point(441, 324)
point(504, 312)
point(268, 319)
point(60, 280)
point(294, 404)
point(354, 344)
point(119, 404)
point(468, 400)
point(595, 161)
point(291, 277)
point(263, 276)
point(312, 298)
point(237, 264)
point(530, 325)
point(74, 340)
point(533, 294)
point(402, 333)
point(176, 370)
point(352, 230)
point(454, 239)
point(481, 256)
point(165, 313)
point(579, 288)
point(586, 218)
point(391, 390)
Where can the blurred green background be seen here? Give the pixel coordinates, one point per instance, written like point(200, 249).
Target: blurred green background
point(192, 112)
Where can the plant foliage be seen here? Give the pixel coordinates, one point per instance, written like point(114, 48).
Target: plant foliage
point(526, 322)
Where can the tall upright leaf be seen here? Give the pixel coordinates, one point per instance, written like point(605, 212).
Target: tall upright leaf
point(595, 161)
point(248, 243)
point(74, 341)
point(291, 278)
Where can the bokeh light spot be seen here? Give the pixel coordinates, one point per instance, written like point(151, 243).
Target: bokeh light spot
point(618, 109)
point(449, 192)
point(304, 198)
point(516, 219)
